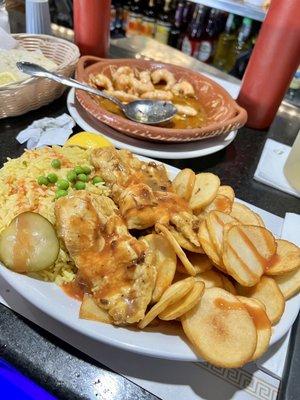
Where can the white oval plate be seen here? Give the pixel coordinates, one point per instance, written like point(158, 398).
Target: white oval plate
point(50, 299)
point(171, 151)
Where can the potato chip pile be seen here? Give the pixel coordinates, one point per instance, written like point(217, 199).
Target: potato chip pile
point(229, 291)
point(229, 295)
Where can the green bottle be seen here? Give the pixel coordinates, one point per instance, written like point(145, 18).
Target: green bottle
point(243, 40)
point(225, 54)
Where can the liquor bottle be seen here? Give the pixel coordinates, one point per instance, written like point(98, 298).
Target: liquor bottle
point(176, 29)
point(192, 38)
point(148, 25)
point(134, 19)
point(206, 47)
point(243, 39)
point(224, 58)
point(113, 16)
point(163, 25)
point(125, 15)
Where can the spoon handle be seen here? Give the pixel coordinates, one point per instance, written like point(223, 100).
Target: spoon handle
point(36, 70)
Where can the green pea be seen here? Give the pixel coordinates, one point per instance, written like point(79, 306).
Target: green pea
point(71, 176)
point(42, 180)
point(56, 164)
point(60, 193)
point(86, 170)
point(82, 177)
point(78, 170)
point(79, 185)
point(63, 184)
point(97, 179)
point(52, 178)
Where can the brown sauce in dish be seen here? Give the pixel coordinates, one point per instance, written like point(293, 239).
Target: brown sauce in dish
point(179, 122)
point(73, 289)
point(228, 305)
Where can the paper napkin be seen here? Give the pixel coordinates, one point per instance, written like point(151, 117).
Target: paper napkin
point(47, 132)
point(7, 42)
point(270, 167)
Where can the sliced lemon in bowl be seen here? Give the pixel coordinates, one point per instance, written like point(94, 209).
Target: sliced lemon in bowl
point(88, 140)
point(6, 78)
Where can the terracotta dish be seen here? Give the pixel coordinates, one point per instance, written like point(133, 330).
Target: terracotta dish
point(223, 114)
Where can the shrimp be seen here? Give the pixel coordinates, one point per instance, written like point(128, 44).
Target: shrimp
point(163, 75)
point(183, 88)
point(142, 87)
point(145, 76)
point(122, 71)
point(158, 95)
point(101, 81)
point(123, 83)
point(122, 96)
point(186, 110)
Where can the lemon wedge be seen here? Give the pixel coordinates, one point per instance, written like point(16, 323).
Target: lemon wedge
point(88, 140)
point(7, 78)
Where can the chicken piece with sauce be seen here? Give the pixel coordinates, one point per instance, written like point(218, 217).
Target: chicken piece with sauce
point(111, 263)
point(144, 193)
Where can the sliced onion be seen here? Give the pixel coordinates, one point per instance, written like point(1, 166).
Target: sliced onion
point(29, 243)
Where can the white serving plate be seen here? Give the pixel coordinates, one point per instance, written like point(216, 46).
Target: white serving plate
point(50, 299)
point(173, 151)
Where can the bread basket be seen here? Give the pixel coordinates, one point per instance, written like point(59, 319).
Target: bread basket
point(33, 93)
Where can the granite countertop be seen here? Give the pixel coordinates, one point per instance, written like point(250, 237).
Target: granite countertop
point(54, 364)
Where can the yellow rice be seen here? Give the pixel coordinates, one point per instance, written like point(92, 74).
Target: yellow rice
point(20, 192)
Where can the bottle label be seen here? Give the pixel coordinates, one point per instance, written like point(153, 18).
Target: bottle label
point(186, 47)
point(204, 51)
point(162, 33)
point(148, 28)
point(134, 24)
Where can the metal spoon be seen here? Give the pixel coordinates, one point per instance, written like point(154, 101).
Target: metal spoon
point(149, 112)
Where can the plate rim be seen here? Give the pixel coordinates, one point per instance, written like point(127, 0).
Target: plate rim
point(171, 155)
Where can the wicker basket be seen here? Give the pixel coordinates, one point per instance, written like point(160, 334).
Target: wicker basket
point(33, 93)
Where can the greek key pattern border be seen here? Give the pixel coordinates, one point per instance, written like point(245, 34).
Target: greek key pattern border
point(243, 380)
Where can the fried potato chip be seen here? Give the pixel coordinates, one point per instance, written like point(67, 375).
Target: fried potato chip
point(209, 247)
point(227, 191)
point(184, 242)
point(215, 222)
point(245, 215)
point(228, 285)
point(221, 329)
point(173, 294)
point(211, 278)
point(262, 324)
point(90, 310)
point(220, 203)
point(201, 262)
point(261, 222)
point(247, 251)
point(178, 250)
point(268, 292)
point(205, 190)
point(184, 182)
point(286, 259)
point(164, 260)
point(185, 304)
point(289, 284)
